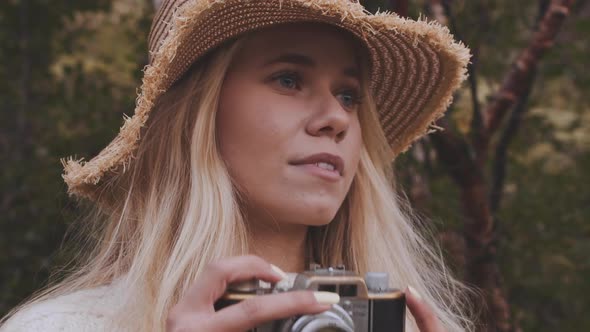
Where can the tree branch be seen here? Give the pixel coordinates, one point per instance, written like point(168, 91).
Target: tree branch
point(511, 129)
point(499, 165)
point(441, 9)
point(454, 152)
point(465, 163)
point(513, 86)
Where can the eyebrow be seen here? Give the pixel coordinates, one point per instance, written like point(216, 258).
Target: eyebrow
point(304, 60)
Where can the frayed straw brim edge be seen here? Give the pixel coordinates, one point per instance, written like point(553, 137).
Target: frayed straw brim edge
point(455, 57)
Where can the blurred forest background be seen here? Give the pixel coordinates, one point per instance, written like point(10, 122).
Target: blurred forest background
point(506, 185)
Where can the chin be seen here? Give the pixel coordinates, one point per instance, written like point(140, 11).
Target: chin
point(318, 216)
point(317, 223)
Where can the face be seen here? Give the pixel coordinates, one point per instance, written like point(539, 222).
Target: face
point(288, 115)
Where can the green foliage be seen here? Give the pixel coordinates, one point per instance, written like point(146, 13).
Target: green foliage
point(544, 234)
point(70, 71)
point(544, 218)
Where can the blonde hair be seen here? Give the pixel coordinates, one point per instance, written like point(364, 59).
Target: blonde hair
point(158, 225)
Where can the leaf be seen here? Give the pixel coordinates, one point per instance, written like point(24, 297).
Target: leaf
point(560, 260)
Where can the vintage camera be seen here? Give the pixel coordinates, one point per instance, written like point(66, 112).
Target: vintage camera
point(366, 304)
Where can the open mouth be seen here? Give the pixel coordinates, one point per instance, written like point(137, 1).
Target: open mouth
point(326, 162)
point(327, 166)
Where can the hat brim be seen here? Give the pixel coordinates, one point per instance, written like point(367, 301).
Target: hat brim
point(415, 66)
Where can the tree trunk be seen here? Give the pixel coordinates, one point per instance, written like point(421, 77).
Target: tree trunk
point(466, 160)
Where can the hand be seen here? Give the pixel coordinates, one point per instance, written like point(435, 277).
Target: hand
point(423, 315)
point(195, 310)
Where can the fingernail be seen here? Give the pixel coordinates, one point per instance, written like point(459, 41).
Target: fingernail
point(415, 293)
point(278, 271)
point(326, 297)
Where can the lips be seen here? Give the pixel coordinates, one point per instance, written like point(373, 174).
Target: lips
point(321, 159)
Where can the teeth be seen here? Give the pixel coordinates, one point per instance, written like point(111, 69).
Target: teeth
point(325, 166)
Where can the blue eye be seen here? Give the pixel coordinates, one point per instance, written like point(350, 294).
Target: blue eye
point(288, 80)
point(351, 98)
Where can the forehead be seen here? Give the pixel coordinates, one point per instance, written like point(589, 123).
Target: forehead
point(322, 42)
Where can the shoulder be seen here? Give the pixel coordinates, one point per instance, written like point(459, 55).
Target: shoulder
point(84, 310)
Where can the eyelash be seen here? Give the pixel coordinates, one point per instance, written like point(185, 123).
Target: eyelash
point(291, 74)
point(357, 98)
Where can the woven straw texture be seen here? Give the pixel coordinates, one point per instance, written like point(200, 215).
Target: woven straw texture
point(415, 67)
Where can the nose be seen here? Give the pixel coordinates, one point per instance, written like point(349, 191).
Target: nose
point(329, 118)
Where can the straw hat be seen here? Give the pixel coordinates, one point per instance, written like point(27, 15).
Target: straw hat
point(415, 67)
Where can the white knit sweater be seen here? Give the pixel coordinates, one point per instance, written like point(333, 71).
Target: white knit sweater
point(89, 310)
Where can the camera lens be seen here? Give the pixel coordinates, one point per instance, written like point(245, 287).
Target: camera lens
point(334, 320)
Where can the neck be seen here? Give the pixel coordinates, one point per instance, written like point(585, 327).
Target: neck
point(283, 246)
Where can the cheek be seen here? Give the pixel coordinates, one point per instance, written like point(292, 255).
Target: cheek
point(250, 133)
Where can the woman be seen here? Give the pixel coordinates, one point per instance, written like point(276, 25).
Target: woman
point(261, 142)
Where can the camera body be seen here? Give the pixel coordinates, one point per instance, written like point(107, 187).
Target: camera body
point(366, 304)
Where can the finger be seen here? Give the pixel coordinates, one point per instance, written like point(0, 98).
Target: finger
point(423, 314)
point(260, 309)
point(213, 282)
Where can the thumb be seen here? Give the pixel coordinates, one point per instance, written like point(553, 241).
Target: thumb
point(423, 314)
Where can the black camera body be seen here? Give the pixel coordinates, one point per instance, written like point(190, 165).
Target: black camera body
point(366, 304)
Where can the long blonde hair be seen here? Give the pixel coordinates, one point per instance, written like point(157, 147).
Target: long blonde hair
point(157, 225)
